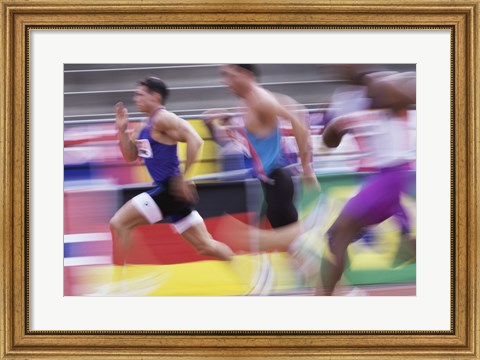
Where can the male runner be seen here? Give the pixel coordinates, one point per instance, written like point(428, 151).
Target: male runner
point(381, 123)
point(262, 132)
point(156, 143)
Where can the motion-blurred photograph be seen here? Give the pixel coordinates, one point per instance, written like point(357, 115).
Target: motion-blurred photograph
point(239, 180)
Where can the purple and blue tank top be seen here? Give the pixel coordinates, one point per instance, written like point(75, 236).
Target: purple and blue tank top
point(160, 159)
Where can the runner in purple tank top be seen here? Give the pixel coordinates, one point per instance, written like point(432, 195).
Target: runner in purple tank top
point(156, 144)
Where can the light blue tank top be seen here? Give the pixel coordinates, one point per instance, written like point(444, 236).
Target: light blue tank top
point(267, 154)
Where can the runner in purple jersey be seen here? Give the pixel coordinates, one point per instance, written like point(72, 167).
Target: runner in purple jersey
point(383, 127)
point(156, 144)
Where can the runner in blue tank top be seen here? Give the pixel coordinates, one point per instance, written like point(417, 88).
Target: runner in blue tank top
point(262, 112)
point(156, 144)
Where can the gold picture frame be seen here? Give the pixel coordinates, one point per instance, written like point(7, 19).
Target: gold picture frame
point(461, 18)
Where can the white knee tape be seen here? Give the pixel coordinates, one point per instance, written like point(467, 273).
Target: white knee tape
point(188, 221)
point(147, 207)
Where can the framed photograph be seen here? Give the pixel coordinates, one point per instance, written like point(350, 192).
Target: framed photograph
point(59, 57)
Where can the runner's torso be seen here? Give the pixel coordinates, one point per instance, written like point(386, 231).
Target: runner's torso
point(160, 159)
point(381, 133)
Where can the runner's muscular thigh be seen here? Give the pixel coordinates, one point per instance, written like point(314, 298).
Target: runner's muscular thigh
point(128, 216)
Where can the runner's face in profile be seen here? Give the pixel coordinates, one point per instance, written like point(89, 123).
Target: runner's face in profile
point(234, 78)
point(144, 100)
